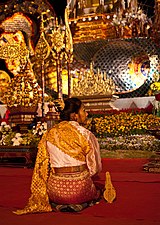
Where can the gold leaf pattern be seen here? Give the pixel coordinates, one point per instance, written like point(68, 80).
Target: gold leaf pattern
point(42, 49)
point(39, 200)
point(76, 146)
point(13, 51)
point(57, 40)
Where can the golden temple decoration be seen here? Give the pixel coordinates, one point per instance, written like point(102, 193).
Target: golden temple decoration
point(62, 49)
point(90, 83)
point(68, 49)
point(4, 82)
point(69, 41)
point(23, 90)
point(94, 20)
point(23, 93)
point(42, 49)
point(18, 23)
point(54, 44)
point(42, 52)
point(9, 51)
point(13, 51)
point(22, 97)
point(57, 49)
point(57, 38)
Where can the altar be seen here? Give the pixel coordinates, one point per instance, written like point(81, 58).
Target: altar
point(119, 104)
point(138, 102)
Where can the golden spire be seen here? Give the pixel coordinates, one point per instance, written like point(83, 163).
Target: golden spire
point(90, 83)
point(42, 49)
point(23, 90)
point(69, 41)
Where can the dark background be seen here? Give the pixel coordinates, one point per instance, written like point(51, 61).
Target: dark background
point(147, 6)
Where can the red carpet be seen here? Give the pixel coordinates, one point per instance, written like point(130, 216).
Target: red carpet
point(137, 203)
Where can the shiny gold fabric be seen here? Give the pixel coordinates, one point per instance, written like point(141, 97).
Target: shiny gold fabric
point(39, 201)
point(76, 146)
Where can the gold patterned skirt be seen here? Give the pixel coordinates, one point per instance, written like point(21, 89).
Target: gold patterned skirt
point(74, 188)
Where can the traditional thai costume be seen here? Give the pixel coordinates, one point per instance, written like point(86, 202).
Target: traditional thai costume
point(68, 156)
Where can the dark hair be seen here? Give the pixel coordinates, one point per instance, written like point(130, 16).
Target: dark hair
point(71, 105)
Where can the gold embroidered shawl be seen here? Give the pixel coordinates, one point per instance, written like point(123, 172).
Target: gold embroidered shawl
point(69, 140)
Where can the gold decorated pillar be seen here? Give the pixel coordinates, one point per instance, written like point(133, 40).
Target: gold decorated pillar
point(59, 74)
point(42, 52)
point(68, 49)
point(57, 50)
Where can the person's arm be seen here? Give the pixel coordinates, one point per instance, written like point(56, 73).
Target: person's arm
point(93, 158)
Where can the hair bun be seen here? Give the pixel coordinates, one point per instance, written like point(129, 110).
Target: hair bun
point(64, 115)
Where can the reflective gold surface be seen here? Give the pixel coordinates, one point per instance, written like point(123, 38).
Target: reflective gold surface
point(91, 83)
